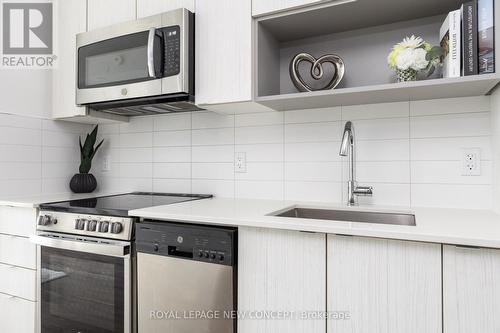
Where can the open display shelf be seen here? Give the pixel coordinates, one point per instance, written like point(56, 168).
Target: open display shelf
point(362, 32)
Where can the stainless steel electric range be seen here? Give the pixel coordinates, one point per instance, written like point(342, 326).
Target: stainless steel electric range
point(85, 281)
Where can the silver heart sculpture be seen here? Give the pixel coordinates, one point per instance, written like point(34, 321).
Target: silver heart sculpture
point(316, 70)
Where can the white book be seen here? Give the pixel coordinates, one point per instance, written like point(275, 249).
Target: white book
point(451, 40)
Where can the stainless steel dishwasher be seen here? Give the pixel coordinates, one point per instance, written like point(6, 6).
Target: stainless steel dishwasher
point(186, 278)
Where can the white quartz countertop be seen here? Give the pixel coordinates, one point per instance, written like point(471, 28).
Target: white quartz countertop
point(35, 200)
point(479, 228)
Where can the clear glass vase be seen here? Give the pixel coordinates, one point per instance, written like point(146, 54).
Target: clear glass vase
point(406, 75)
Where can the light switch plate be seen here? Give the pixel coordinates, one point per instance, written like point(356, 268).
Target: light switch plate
point(240, 162)
point(471, 162)
point(106, 164)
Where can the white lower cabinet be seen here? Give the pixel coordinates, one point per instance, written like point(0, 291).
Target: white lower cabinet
point(17, 315)
point(280, 271)
point(471, 290)
point(386, 286)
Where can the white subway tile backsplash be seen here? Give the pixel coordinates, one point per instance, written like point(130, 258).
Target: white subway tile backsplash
point(171, 154)
point(450, 106)
point(219, 188)
point(383, 150)
point(448, 172)
point(217, 136)
point(211, 120)
point(382, 172)
point(313, 132)
point(382, 129)
point(376, 111)
point(313, 191)
point(172, 185)
point(136, 140)
point(455, 125)
point(262, 171)
point(137, 125)
point(271, 190)
point(448, 149)
point(410, 152)
point(213, 154)
point(20, 136)
point(313, 152)
point(452, 196)
point(313, 171)
point(388, 195)
point(136, 155)
point(259, 134)
point(219, 171)
point(265, 152)
point(313, 115)
point(172, 170)
point(172, 122)
point(259, 119)
point(136, 170)
point(172, 138)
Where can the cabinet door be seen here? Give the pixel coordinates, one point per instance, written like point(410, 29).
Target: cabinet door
point(280, 271)
point(72, 19)
point(262, 7)
point(103, 13)
point(152, 7)
point(386, 286)
point(471, 290)
point(17, 315)
point(223, 51)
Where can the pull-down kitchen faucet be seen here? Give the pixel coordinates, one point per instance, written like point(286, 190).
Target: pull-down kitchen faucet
point(347, 149)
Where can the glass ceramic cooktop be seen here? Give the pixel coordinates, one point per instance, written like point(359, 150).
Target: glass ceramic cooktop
point(120, 205)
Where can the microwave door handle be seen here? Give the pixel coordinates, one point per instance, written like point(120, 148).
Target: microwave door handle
point(151, 52)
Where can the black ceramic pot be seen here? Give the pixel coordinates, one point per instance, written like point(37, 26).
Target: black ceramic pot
point(83, 183)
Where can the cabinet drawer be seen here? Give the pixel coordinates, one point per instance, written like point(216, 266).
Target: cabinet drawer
point(17, 221)
point(17, 315)
point(17, 281)
point(18, 251)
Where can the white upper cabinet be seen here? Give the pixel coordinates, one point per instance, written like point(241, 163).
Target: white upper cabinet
point(72, 19)
point(103, 13)
point(262, 7)
point(223, 51)
point(152, 7)
point(281, 270)
point(387, 286)
point(471, 290)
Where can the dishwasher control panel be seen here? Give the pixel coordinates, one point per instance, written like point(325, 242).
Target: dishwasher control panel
point(187, 241)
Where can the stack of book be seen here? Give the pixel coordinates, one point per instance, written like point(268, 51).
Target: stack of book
point(467, 35)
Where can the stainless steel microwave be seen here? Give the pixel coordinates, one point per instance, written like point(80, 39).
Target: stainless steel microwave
point(140, 67)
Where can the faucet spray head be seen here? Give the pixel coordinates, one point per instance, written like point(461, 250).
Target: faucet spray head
point(346, 139)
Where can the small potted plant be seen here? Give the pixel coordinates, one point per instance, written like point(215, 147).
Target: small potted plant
point(85, 182)
point(414, 55)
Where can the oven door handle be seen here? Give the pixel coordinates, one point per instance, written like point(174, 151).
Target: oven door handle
point(151, 52)
point(115, 249)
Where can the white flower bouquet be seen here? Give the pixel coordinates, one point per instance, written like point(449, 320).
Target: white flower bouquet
point(413, 55)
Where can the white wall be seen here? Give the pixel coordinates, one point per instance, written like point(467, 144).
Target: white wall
point(495, 125)
point(409, 152)
point(37, 155)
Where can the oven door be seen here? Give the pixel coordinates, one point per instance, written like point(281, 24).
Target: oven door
point(84, 285)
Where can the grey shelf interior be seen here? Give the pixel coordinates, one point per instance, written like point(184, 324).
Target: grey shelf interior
point(363, 40)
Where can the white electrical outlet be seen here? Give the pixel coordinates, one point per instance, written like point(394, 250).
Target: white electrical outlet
point(240, 162)
point(471, 162)
point(106, 164)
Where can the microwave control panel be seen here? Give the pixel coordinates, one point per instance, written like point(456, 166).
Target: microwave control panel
point(172, 38)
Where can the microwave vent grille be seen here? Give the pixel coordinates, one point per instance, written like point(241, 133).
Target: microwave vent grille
point(152, 109)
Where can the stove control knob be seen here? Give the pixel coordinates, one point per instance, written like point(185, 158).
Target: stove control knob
point(44, 220)
point(80, 224)
point(92, 225)
point(104, 227)
point(116, 228)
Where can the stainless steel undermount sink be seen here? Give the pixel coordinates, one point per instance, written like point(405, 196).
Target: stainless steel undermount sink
point(348, 216)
